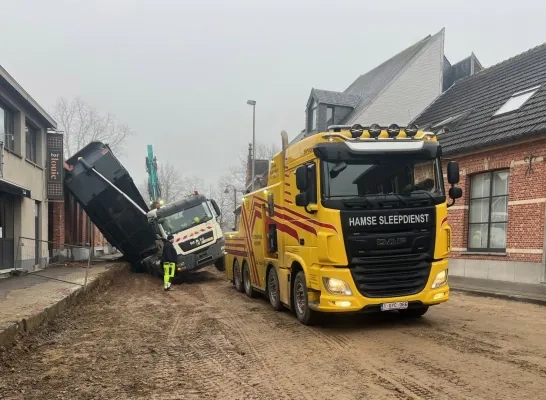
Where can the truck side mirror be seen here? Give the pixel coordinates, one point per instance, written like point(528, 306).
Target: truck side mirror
point(302, 199)
point(215, 206)
point(455, 192)
point(302, 178)
point(453, 172)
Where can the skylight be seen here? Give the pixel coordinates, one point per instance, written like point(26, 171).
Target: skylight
point(516, 101)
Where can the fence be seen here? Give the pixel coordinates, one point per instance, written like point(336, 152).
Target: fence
point(59, 262)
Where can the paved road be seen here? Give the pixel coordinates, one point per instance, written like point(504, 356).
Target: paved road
point(206, 341)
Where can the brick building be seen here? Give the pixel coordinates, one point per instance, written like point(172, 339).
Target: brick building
point(494, 124)
point(69, 224)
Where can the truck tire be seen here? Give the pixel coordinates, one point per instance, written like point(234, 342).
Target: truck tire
point(304, 314)
point(414, 312)
point(220, 264)
point(237, 280)
point(249, 290)
point(273, 292)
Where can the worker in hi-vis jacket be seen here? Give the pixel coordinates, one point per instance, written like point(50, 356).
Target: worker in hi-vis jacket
point(168, 259)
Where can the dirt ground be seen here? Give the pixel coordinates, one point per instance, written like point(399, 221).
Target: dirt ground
point(206, 341)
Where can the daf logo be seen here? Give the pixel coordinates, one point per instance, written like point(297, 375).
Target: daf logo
point(391, 242)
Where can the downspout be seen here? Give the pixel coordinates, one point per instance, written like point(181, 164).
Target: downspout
point(543, 279)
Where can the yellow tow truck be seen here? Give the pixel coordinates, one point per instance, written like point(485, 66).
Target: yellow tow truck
point(352, 220)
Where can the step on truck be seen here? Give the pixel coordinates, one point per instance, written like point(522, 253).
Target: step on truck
point(107, 193)
point(352, 220)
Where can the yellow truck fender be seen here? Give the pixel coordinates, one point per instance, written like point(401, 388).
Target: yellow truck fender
point(311, 279)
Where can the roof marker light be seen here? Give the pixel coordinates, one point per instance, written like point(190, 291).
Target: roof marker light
point(393, 130)
point(411, 131)
point(356, 131)
point(375, 130)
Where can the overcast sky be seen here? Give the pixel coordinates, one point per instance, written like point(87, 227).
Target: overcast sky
point(180, 72)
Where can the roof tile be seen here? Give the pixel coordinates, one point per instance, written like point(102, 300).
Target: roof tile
point(485, 92)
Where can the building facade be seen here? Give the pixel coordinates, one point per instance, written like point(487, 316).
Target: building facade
point(494, 125)
point(23, 174)
point(396, 91)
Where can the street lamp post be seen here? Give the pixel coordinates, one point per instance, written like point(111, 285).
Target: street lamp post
point(226, 191)
point(253, 104)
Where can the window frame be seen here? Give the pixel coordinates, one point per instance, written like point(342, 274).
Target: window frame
point(9, 137)
point(490, 197)
point(31, 132)
point(312, 116)
point(533, 90)
point(333, 116)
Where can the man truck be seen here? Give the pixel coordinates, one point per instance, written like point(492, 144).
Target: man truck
point(198, 237)
point(352, 220)
point(107, 193)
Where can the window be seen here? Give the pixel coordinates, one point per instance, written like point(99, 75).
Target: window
point(7, 127)
point(517, 100)
point(329, 116)
point(31, 135)
point(488, 211)
point(312, 113)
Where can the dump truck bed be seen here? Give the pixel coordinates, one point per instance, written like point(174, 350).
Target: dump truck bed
point(121, 223)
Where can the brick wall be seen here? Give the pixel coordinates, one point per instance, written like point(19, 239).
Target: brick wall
point(526, 201)
point(71, 225)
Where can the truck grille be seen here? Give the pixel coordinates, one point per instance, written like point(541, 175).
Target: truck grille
point(391, 276)
point(197, 241)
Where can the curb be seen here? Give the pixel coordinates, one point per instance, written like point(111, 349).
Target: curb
point(504, 296)
point(29, 324)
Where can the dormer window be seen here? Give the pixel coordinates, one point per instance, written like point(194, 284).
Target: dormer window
point(329, 116)
point(313, 116)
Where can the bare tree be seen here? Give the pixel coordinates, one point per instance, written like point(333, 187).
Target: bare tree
point(223, 193)
point(263, 152)
point(172, 184)
point(83, 124)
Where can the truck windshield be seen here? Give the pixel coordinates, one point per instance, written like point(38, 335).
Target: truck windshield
point(382, 176)
point(185, 219)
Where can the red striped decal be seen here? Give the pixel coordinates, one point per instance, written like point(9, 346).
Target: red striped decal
point(238, 253)
point(443, 221)
point(248, 234)
point(240, 245)
point(305, 218)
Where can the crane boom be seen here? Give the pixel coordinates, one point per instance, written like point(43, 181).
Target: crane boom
point(154, 190)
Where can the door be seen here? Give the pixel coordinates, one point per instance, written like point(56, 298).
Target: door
point(7, 241)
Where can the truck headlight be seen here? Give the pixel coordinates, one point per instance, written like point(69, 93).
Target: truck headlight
point(337, 286)
point(440, 280)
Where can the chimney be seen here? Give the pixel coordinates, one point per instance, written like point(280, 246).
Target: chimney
point(249, 166)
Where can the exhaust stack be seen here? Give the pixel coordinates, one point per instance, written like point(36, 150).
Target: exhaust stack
point(284, 137)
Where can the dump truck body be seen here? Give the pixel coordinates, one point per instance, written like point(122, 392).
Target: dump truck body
point(121, 223)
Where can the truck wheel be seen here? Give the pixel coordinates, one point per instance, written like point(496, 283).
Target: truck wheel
point(237, 282)
point(249, 290)
point(414, 312)
point(273, 291)
point(304, 314)
point(220, 264)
